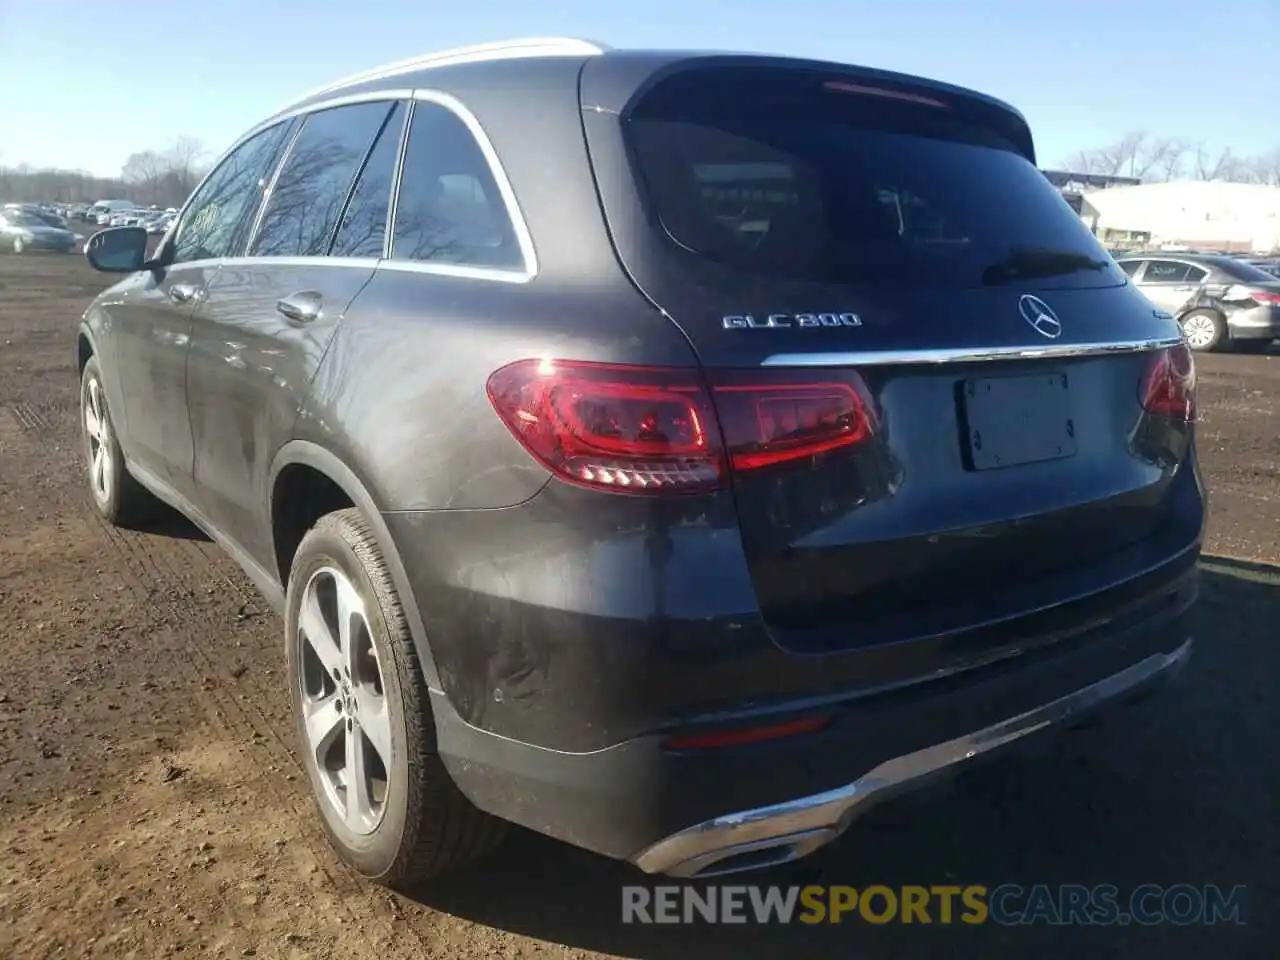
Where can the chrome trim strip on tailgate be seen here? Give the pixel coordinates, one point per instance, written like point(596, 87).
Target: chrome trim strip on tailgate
point(880, 358)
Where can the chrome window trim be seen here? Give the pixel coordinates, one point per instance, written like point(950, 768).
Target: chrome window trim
point(366, 263)
point(515, 215)
point(880, 358)
point(459, 270)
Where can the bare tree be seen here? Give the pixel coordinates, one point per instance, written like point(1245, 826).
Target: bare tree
point(1120, 159)
point(185, 157)
point(1213, 166)
point(1269, 167)
point(144, 170)
point(1164, 159)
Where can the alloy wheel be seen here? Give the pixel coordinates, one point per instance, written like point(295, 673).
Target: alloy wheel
point(97, 428)
point(1200, 331)
point(346, 719)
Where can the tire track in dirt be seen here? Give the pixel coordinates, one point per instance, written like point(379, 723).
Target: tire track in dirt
point(152, 565)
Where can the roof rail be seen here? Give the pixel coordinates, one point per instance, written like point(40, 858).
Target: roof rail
point(501, 50)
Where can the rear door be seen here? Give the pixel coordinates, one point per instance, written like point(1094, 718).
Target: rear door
point(267, 319)
point(890, 254)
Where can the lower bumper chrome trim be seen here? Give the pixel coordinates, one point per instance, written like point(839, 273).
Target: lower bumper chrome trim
point(787, 831)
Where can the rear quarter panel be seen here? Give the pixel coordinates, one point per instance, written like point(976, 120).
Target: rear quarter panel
point(401, 396)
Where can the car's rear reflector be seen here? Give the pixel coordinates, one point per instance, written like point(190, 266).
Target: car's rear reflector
point(642, 429)
point(745, 736)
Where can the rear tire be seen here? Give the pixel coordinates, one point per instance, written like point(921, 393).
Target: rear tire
point(1204, 330)
point(118, 498)
point(360, 694)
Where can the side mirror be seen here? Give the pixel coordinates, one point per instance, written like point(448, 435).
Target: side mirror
point(117, 250)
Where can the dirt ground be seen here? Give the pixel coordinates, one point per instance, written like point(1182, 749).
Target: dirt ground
point(151, 806)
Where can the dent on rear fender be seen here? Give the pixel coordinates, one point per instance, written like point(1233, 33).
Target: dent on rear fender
point(579, 618)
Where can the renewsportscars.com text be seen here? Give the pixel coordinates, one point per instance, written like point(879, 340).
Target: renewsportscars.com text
point(971, 904)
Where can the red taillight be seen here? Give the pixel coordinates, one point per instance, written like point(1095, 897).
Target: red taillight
point(768, 419)
point(1169, 389)
point(605, 425)
point(1265, 296)
point(655, 429)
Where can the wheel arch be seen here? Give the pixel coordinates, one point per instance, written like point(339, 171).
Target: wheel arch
point(85, 347)
point(305, 454)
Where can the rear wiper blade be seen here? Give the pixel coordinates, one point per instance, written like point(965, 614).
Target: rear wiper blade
point(1028, 264)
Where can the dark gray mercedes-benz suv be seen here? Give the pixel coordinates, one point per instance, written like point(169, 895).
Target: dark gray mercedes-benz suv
point(673, 453)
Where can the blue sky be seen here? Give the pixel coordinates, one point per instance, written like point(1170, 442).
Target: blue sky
point(90, 81)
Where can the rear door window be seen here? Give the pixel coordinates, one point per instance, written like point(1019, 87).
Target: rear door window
point(450, 211)
point(783, 173)
point(1130, 267)
point(1166, 271)
point(315, 178)
point(363, 229)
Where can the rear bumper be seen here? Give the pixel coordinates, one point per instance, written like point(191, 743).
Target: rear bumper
point(690, 813)
point(1256, 323)
point(786, 831)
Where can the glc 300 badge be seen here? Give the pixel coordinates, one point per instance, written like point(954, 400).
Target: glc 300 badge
point(781, 321)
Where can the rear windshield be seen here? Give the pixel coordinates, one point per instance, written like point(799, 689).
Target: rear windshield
point(800, 176)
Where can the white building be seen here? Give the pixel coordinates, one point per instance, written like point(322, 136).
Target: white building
point(1198, 214)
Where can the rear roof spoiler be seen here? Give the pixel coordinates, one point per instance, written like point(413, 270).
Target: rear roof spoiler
point(618, 79)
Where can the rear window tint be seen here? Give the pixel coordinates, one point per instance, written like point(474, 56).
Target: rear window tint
point(774, 172)
point(1166, 271)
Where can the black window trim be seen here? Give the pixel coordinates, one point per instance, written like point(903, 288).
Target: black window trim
point(515, 215)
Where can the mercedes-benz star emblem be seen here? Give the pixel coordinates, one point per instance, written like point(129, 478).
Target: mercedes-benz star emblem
point(1037, 313)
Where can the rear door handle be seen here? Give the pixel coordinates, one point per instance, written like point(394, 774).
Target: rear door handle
point(301, 307)
point(184, 293)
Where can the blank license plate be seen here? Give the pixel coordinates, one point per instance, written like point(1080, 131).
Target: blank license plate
point(1014, 420)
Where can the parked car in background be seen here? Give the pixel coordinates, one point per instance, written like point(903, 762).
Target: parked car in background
point(22, 232)
point(160, 224)
point(673, 453)
point(132, 218)
point(51, 218)
point(104, 210)
point(1219, 301)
